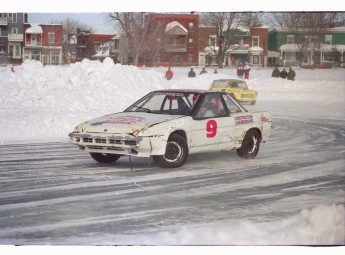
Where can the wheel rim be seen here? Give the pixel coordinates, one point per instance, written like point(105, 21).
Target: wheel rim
point(173, 152)
point(252, 144)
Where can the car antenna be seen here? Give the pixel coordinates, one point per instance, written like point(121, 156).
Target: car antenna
point(130, 162)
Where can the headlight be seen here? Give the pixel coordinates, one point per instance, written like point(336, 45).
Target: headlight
point(79, 129)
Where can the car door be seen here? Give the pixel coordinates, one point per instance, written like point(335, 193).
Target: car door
point(211, 127)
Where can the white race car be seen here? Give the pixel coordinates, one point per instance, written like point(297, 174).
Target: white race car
point(171, 124)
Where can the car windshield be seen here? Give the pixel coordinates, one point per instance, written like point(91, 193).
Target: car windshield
point(171, 103)
point(225, 84)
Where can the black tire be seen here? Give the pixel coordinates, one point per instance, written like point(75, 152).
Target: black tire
point(250, 145)
point(252, 102)
point(176, 153)
point(105, 158)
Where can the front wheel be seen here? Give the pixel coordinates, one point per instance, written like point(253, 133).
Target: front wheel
point(250, 145)
point(176, 153)
point(105, 158)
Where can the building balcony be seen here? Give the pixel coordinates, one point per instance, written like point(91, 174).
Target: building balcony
point(3, 21)
point(33, 44)
point(15, 37)
point(181, 47)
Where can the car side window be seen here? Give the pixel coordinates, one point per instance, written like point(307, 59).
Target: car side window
point(232, 107)
point(212, 106)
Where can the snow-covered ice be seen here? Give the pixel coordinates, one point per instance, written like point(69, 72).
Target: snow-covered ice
point(44, 103)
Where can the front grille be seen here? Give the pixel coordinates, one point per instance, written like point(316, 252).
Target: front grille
point(112, 141)
point(247, 96)
point(95, 147)
point(109, 141)
point(130, 142)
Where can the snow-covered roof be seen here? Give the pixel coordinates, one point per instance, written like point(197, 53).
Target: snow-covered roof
point(323, 47)
point(103, 52)
point(174, 24)
point(34, 29)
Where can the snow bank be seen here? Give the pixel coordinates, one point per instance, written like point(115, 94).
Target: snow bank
point(40, 103)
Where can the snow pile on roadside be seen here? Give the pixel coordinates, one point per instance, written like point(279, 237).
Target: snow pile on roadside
point(322, 225)
point(41, 103)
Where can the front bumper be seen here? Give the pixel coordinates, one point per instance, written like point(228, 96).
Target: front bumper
point(119, 144)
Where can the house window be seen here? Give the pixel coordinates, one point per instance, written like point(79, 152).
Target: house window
point(33, 39)
point(158, 59)
point(190, 42)
point(256, 60)
point(12, 17)
point(255, 41)
point(15, 50)
point(190, 58)
point(328, 39)
point(51, 37)
point(212, 40)
point(191, 26)
point(177, 58)
point(290, 56)
point(290, 39)
point(55, 57)
point(97, 47)
point(14, 30)
point(36, 54)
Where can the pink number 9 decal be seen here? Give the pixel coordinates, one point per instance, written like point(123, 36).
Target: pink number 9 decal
point(211, 128)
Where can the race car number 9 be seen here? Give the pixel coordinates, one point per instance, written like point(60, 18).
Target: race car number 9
point(211, 128)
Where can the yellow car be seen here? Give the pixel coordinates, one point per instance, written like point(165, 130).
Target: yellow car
point(236, 88)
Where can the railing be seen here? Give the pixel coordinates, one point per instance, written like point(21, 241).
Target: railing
point(15, 37)
point(33, 44)
point(180, 47)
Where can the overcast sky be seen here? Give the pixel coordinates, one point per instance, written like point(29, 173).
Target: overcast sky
point(97, 21)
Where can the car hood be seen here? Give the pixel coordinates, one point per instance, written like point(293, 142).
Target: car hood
point(124, 122)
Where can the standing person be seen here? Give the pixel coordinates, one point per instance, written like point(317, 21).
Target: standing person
point(291, 74)
point(246, 71)
point(283, 74)
point(191, 73)
point(240, 71)
point(215, 70)
point(203, 71)
point(169, 74)
point(276, 72)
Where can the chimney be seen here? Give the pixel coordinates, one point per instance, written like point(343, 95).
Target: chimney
point(25, 18)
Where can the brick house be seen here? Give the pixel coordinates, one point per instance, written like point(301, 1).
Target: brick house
point(43, 42)
point(181, 39)
point(88, 44)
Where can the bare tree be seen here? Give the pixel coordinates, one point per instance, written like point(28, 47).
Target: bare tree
point(251, 19)
point(308, 27)
point(226, 24)
point(135, 26)
point(70, 27)
point(146, 35)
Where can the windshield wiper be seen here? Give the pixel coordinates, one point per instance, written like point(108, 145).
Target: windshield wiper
point(143, 109)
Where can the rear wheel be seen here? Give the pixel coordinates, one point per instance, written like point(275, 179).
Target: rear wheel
point(252, 102)
point(105, 158)
point(250, 145)
point(176, 153)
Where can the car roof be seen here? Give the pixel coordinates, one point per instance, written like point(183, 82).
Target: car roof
point(191, 91)
point(238, 80)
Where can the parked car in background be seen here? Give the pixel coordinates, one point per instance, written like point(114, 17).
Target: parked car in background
point(171, 124)
point(236, 88)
